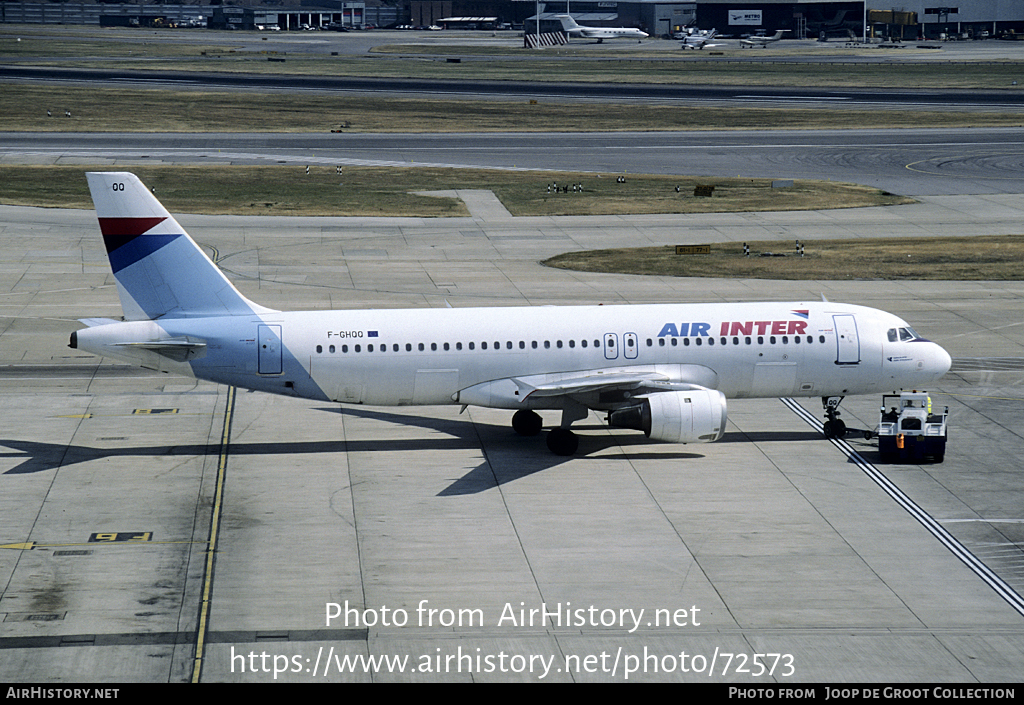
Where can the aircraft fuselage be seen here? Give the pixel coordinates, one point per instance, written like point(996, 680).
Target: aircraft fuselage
point(438, 356)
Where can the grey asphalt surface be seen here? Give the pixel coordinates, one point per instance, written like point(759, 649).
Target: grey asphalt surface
point(769, 557)
point(910, 162)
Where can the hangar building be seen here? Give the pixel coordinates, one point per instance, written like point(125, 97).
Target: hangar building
point(969, 19)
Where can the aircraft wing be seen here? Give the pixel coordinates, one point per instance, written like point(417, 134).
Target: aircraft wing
point(598, 381)
point(677, 403)
point(597, 388)
point(91, 322)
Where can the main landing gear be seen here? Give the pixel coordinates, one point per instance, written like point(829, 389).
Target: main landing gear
point(526, 422)
point(561, 440)
point(834, 427)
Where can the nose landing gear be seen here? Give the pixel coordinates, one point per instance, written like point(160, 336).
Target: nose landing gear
point(834, 427)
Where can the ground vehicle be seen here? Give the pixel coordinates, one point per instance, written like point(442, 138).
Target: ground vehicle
point(908, 430)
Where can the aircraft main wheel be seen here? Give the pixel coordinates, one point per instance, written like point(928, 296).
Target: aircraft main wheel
point(526, 422)
point(562, 441)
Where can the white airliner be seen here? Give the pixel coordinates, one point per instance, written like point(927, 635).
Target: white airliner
point(599, 33)
point(664, 369)
point(762, 41)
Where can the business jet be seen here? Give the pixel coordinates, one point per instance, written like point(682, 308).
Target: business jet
point(663, 369)
point(698, 39)
point(570, 27)
point(762, 41)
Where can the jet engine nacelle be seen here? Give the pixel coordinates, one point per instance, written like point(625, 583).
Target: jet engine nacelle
point(696, 416)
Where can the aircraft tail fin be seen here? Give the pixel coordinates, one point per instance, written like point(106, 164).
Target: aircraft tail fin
point(160, 270)
point(568, 23)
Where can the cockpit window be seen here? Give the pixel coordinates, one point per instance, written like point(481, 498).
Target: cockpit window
point(901, 334)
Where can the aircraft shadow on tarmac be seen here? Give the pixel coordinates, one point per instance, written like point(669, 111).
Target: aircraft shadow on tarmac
point(509, 457)
point(769, 436)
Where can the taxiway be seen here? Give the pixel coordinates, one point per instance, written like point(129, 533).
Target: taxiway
point(147, 517)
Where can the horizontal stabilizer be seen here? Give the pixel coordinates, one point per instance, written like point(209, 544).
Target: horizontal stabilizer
point(177, 349)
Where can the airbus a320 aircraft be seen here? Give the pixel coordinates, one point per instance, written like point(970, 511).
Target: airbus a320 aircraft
point(570, 27)
point(663, 369)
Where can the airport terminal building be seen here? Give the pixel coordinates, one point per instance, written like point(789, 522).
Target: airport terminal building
point(971, 19)
point(975, 19)
point(811, 19)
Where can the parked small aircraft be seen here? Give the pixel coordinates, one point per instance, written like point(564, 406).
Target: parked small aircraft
point(599, 33)
point(694, 38)
point(762, 41)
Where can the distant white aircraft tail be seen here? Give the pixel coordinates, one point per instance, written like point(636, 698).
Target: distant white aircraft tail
point(568, 23)
point(160, 271)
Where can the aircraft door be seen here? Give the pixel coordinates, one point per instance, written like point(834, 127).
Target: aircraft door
point(847, 340)
point(268, 341)
point(629, 346)
point(611, 346)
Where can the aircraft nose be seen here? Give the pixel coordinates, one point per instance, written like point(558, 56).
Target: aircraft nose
point(939, 361)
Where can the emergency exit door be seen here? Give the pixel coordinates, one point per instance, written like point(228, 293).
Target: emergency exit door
point(630, 347)
point(611, 346)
